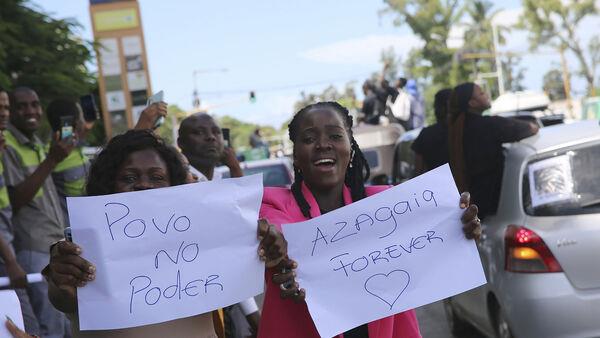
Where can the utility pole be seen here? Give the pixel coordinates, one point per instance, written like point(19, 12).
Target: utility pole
point(497, 57)
point(566, 80)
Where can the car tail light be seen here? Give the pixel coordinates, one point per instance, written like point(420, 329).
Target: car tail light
point(526, 252)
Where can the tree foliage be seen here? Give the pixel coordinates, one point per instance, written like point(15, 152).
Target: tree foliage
point(437, 65)
point(554, 85)
point(555, 23)
point(43, 53)
point(430, 20)
point(346, 97)
point(240, 131)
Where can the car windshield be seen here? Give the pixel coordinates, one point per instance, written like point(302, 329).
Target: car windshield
point(563, 184)
point(273, 175)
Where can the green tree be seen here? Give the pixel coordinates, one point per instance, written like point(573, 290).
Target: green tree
point(166, 129)
point(346, 97)
point(513, 75)
point(554, 85)
point(239, 131)
point(555, 23)
point(43, 53)
point(431, 20)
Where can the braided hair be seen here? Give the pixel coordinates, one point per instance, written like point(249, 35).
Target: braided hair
point(458, 107)
point(357, 172)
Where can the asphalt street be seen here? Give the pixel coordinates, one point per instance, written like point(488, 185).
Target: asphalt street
point(433, 323)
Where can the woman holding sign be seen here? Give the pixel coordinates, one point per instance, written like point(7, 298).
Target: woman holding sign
point(136, 160)
point(330, 171)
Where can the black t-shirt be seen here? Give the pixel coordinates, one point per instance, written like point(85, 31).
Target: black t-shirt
point(432, 144)
point(369, 103)
point(484, 156)
point(371, 109)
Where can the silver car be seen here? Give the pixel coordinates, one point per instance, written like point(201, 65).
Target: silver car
point(541, 251)
point(277, 172)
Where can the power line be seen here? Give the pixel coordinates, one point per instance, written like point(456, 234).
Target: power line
point(281, 87)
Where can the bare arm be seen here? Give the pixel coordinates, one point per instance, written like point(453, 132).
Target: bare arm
point(24, 192)
point(62, 300)
point(150, 115)
point(67, 271)
point(16, 274)
point(232, 163)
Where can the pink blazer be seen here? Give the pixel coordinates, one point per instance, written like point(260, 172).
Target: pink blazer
point(284, 318)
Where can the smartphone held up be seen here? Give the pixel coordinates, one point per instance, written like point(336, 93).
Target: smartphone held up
point(158, 97)
point(67, 126)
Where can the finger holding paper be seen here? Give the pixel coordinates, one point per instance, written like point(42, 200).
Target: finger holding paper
point(273, 246)
point(471, 223)
point(68, 268)
point(286, 279)
point(67, 271)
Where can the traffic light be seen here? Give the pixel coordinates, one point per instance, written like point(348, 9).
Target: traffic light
point(252, 97)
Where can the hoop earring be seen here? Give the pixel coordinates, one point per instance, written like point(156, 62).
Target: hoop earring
point(351, 158)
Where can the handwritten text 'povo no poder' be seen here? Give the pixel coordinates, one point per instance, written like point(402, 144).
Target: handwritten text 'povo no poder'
point(122, 227)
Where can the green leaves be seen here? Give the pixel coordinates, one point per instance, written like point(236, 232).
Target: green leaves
point(554, 23)
point(43, 53)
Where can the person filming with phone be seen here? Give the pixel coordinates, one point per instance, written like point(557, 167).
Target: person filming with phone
point(67, 119)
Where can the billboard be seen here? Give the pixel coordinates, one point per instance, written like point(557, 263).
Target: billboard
point(123, 75)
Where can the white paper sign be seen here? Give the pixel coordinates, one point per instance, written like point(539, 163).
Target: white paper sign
point(394, 251)
point(11, 307)
point(168, 253)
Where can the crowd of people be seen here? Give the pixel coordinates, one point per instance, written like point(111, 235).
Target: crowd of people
point(401, 103)
point(330, 172)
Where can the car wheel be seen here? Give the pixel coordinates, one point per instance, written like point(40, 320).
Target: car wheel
point(457, 325)
point(502, 328)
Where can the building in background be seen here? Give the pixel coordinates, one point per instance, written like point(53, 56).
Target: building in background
point(123, 76)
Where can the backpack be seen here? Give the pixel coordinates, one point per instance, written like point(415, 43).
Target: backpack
point(400, 108)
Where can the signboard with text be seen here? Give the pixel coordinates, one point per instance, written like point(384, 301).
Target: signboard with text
point(123, 78)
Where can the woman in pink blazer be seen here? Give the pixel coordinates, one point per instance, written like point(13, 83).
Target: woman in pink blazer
point(330, 171)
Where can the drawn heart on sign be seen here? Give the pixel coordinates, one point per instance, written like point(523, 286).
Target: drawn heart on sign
point(388, 287)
